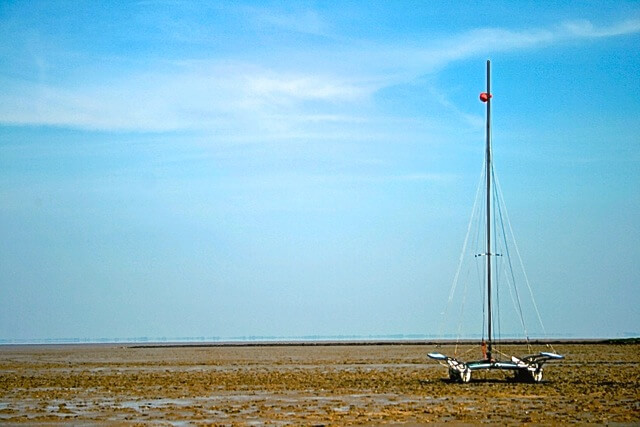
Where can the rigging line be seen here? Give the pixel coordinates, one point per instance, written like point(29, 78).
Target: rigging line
point(465, 280)
point(497, 310)
point(526, 333)
point(481, 268)
point(514, 289)
point(464, 299)
point(515, 300)
point(454, 285)
point(479, 277)
point(500, 203)
point(478, 248)
point(504, 354)
point(524, 272)
point(494, 260)
point(469, 350)
point(479, 245)
point(490, 309)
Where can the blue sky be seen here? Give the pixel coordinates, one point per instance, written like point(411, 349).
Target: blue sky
point(308, 168)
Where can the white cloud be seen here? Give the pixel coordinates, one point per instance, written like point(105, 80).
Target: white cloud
point(304, 21)
point(490, 40)
point(584, 28)
point(229, 98)
point(283, 89)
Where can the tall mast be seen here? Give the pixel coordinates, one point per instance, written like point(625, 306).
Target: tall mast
point(488, 173)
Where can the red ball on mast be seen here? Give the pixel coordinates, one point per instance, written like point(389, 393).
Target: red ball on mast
point(484, 96)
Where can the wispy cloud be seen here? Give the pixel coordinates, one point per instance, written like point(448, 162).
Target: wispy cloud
point(228, 97)
point(302, 180)
point(214, 97)
point(284, 89)
point(585, 29)
point(487, 40)
point(302, 21)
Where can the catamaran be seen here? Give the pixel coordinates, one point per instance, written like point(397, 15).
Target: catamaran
point(528, 368)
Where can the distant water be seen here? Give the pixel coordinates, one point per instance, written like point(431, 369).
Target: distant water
point(257, 338)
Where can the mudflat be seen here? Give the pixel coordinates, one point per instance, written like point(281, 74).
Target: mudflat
point(309, 385)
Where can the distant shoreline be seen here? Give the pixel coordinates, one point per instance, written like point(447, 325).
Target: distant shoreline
point(382, 343)
point(321, 343)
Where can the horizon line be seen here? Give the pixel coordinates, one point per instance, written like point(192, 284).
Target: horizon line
point(310, 340)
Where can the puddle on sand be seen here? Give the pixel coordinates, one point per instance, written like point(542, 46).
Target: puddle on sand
point(140, 405)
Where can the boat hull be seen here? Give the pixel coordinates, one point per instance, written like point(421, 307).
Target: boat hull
point(526, 369)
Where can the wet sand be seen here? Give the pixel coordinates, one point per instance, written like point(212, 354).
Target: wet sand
point(309, 385)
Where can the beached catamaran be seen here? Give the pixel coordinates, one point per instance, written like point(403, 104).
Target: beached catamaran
point(527, 368)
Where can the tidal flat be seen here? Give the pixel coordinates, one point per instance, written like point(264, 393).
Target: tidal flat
point(308, 385)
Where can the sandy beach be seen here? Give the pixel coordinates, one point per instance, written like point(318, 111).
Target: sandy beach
point(311, 385)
